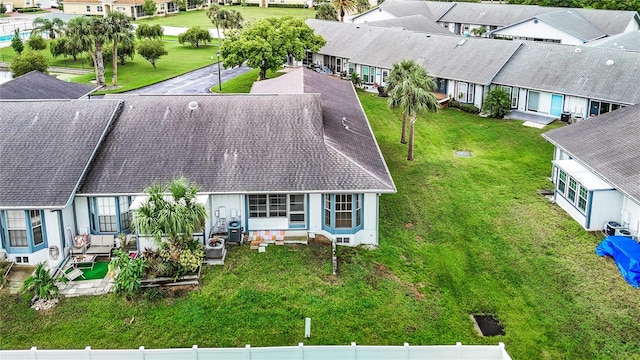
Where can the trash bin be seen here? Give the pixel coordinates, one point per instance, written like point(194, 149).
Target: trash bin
point(565, 116)
point(234, 232)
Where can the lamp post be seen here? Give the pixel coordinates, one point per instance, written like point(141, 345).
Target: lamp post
point(219, 80)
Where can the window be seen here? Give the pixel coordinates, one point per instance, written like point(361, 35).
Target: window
point(532, 103)
point(327, 210)
point(258, 206)
point(342, 240)
point(562, 181)
point(161, 6)
point(344, 207)
point(297, 210)
point(277, 205)
point(88, 8)
point(600, 107)
point(582, 198)
point(24, 229)
point(571, 194)
point(17, 228)
point(352, 68)
point(441, 85)
point(358, 212)
point(465, 92)
point(365, 74)
point(385, 76)
point(99, 8)
point(111, 214)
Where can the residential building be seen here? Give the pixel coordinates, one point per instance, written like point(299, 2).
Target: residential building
point(132, 8)
point(297, 162)
point(36, 85)
point(596, 171)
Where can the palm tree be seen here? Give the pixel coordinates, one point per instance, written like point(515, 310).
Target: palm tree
point(41, 284)
point(51, 27)
point(397, 75)
point(414, 94)
point(222, 18)
point(176, 217)
point(362, 6)
point(344, 6)
point(326, 12)
point(89, 34)
point(119, 29)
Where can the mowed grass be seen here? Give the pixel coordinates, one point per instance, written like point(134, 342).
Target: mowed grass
point(138, 72)
point(462, 236)
point(249, 14)
point(242, 83)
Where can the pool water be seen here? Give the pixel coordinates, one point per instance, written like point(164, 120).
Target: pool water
point(8, 37)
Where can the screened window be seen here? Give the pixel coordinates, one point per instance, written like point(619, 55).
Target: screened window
point(297, 209)
point(582, 199)
point(99, 8)
point(571, 194)
point(258, 206)
point(465, 92)
point(562, 181)
point(36, 227)
point(344, 207)
point(277, 205)
point(358, 211)
point(106, 207)
point(17, 228)
point(351, 68)
point(88, 8)
point(365, 74)
point(125, 213)
point(327, 210)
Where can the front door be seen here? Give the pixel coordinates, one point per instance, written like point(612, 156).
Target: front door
point(556, 105)
point(532, 103)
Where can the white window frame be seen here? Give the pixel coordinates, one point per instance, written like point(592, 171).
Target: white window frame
point(88, 8)
point(297, 209)
point(344, 211)
point(17, 224)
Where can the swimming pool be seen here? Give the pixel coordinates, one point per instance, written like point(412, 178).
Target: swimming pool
point(8, 37)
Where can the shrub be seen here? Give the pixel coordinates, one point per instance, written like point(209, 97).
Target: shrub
point(40, 285)
point(130, 272)
point(36, 43)
point(195, 36)
point(470, 108)
point(498, 103)
point(28, 61)
point(454, 104)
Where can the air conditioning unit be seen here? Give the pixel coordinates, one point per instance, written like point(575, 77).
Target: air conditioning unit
point(623, 232)
point(611, 227)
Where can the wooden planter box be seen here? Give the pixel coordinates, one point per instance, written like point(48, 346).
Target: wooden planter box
point(189, 279)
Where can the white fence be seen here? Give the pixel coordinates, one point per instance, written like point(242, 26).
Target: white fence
point(300, 352)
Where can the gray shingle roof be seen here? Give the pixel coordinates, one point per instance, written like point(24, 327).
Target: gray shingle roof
point(45, 147)
point(572, 23)
point(608, 144)
point(474, 60)
point(36, 85)
point(407, 8)
point(629, 41)
point(418, 23)
point(580, 71)
point(228, 144)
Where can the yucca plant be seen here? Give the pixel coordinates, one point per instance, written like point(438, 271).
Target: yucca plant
point(41, 284)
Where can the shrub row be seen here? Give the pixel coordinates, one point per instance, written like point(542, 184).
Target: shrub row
point(297, 6)
point(28, 9)
point(470, 108)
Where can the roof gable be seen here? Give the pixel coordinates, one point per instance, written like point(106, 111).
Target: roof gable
point(608, 145)
point(46, 148)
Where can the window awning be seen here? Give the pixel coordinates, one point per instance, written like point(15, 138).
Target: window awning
point(141, 199)
point(582, 175)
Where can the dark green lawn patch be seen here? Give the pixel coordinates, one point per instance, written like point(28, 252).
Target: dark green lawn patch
point(241, 84)
point(462, 236)
point(99, 271)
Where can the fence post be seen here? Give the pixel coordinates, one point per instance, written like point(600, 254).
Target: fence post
point(248, 348)
point(355, 354)
point(87, 351)
point(141, 350)
point(34, 351)
point(406, 349)
point(195, 352)
point(301, 347)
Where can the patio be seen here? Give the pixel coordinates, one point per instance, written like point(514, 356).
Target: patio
point(85, 287)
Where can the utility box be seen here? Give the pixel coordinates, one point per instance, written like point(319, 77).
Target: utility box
point(234, 232)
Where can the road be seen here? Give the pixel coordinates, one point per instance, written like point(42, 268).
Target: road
point(195, 82)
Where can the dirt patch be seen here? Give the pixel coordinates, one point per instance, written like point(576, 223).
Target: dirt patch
point(320, 239)
point(487, 325)
point(419, 238)
point(409, 225)
point(386, 273)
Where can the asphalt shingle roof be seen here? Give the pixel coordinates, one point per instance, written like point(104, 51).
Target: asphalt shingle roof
point(45, 148)
point(580, 71)
point(36, 85)
point(572, 23)
point(629, 41)
point(226, 144)
point(418, 23)
point(608, 144)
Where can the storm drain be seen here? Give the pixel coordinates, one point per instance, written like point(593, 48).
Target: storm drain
point(462, 153)
point(487, 325)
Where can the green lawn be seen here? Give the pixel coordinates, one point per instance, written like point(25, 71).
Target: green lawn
point(243, 83)
point(179, 60)
point(249, 14)
point(461, 236)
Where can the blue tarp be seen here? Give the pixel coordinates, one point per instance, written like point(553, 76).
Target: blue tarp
point(626, 254)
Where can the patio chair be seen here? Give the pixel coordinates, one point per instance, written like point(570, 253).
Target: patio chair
point(73, 274)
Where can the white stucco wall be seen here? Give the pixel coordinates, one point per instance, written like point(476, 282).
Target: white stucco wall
point(605, 206)
point(230, 202)
point(576, 105)
point(538, 29)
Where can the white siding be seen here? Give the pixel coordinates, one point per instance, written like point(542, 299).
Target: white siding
point(630, 216)
point(605, 206)
point(271, 223)
point(374, 15)
point(544, 104)
point(315, 212)
point(82, 215)
point(571, 210)
point(541, 30)
point(576, 105)
point(369, 233)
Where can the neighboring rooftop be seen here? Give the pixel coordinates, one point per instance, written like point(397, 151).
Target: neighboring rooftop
point(36, 85)
point(629, 41)
point(608, 145)
point(417, 23)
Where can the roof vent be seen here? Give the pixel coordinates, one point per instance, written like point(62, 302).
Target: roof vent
point(610, 62)
point(193, 105)
point(577, 50)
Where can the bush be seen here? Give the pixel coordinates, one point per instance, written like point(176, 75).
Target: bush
point(498, 103)
point(27, 9)
point(40, 285)
point(130, 272)
point(28, 61)
point(195, 36)
point(297, 6)
point(470, 108)
point(36, 43)
point(454, 104)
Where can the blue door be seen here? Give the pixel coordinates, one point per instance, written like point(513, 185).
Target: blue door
point(556, 105)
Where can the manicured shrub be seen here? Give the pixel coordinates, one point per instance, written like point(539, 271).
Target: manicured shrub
point(470, 108)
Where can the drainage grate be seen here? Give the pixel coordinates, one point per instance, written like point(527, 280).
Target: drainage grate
point(487, 325)
point(462, 153)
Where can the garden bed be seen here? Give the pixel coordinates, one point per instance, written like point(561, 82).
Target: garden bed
point(166, 281)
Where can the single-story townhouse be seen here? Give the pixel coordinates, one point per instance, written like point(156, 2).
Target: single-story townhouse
point(37, 85)
point(300, 164)
point(596, 171)
point(512, 21)
point(133, 8)
point(541, 78)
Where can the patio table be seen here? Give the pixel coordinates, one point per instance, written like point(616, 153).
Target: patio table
point(83, 261)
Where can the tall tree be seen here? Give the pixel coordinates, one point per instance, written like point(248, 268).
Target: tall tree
point(149, 31)
point(89, 34)
point(151, 50)
point(149, 7)
point(16, 42)
point(222, 18)
point(326, 12)
point(344, 6)
point(362, 6)
point(267, 43)
point(414, 95)
point(119, 28)
point(398, 73)
point(53, 27)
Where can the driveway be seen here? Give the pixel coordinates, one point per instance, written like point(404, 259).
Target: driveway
point(195, 82)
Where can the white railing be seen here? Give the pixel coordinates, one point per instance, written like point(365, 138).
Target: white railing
point(300, 352)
